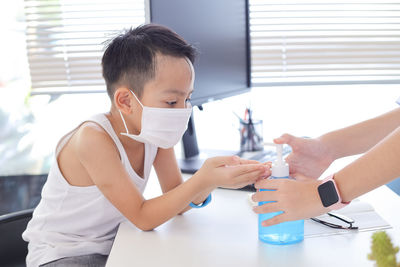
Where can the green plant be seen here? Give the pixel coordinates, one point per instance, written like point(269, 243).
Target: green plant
point(383, 251)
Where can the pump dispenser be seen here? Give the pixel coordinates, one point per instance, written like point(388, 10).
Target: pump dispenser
point(283, 233)
point(280, 169)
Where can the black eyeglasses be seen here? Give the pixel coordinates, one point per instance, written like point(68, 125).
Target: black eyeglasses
point(341, 217)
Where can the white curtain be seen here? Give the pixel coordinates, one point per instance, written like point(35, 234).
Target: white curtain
point(65, 40)
point(304, 42)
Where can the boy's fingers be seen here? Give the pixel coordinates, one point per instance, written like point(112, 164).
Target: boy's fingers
point(242, 169)
point(225, 161)
point(249, 177)
point(268, 164)
point(248, 161)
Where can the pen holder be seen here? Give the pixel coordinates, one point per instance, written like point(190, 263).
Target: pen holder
point(251, 135)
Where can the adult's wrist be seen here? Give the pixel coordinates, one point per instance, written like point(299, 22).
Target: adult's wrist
point(330, 194)
point(316, 200)
point(330, 147)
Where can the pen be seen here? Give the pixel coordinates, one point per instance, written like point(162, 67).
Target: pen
point(240, 119)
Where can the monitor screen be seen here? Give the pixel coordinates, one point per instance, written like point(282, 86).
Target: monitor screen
point(219, 30)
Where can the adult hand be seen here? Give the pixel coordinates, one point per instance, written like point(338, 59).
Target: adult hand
point(297, 199)
point(309, 157)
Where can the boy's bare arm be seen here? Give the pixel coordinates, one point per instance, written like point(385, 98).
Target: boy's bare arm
point(169, 174)
point(96, 152)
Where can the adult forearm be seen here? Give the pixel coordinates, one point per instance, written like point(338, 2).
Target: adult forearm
point(377, 167)
point(359, 138)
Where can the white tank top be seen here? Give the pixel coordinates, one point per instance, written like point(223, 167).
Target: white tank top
point(73, 220)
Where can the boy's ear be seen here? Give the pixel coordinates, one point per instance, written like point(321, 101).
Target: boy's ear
point(123, 100)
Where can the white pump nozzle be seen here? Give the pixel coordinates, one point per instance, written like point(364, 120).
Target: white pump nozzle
point(280, 168)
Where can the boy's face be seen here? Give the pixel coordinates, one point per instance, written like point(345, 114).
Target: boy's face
point(171, 86)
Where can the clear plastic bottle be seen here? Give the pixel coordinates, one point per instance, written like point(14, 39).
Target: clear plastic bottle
point(283, 233)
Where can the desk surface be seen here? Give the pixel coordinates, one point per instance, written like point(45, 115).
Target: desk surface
point(225, 234)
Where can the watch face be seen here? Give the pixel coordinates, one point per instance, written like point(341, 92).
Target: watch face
point(327, 193)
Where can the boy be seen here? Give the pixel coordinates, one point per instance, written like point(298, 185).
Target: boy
point(102, 167)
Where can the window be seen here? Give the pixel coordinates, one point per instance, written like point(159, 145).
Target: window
point(65, 40)
point(293, 42)
point(304, 42)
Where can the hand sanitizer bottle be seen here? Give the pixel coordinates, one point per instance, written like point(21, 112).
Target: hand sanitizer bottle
point(283, 233)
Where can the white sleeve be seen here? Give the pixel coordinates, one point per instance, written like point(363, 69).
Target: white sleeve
point(398, 101)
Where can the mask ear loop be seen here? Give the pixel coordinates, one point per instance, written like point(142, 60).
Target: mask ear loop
point(137, 99)
point(123, 120)
point(122, 117)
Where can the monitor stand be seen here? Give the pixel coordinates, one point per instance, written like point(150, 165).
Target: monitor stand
point(193, 157)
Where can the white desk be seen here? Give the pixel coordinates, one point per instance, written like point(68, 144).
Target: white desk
point(225, 234)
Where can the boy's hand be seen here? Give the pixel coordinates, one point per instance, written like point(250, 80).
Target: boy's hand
point(232, 172)
point(310, 157)
point(297, 199)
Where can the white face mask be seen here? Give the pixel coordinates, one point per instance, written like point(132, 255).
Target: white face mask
point(163, 127)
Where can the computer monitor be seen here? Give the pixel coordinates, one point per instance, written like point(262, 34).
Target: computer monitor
point(219, 29)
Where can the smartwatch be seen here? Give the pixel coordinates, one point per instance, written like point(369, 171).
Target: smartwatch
point(330, 195)
point(202, 205)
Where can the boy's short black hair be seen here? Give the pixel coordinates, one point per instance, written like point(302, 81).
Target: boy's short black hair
point(130, 58)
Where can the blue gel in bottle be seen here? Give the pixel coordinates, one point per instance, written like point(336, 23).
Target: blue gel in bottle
point(283, 233)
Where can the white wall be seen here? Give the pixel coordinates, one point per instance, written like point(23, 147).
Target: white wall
point(303, 111)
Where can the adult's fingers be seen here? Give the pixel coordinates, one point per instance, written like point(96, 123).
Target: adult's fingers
point(301, 177)
point(264, 196)
point(275, 220)
point(285, 139)
point(267, 208)
point(268, 184)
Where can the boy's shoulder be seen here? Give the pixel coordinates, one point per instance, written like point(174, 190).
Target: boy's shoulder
point(91, 127)
point(91, 138)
